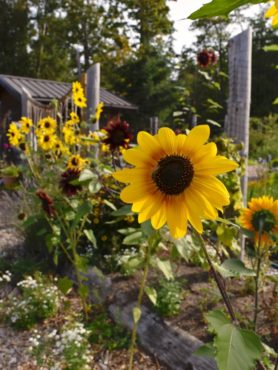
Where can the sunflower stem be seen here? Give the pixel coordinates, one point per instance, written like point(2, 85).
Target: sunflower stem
point(217, 279)
point(139, 301)
point(257, 277)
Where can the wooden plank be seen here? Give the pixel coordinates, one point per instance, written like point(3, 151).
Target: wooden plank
point(93, 93)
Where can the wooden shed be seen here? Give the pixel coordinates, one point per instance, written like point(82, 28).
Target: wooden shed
point(31, 97)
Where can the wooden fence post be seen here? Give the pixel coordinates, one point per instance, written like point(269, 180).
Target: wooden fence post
point(93, 93)
point(237, 120)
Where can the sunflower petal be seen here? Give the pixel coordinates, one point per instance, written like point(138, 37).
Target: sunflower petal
point(196, 138)
point(167, 140)
point(159, 218)
point(177, 217)
point(214, 166)
point(138, 158)
point(149, 144)
point(128, 175)
point(271, 11)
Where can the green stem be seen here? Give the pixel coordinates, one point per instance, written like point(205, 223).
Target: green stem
point(218, 280)
point(257, 280)
point(139, 303)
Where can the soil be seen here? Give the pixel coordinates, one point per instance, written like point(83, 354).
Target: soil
point(200, 296)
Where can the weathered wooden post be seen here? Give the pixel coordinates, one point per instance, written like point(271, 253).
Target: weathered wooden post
point(93, 93)
point(237, 120)
point(153, 125)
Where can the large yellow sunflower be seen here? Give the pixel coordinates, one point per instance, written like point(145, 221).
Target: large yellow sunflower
point(262, 213)
point(173, 180)
point(273, 12)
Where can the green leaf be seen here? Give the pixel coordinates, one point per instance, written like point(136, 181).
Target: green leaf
point(216, 320)
point(237, 349)
point(123, 211)
point(227, 222)
point(128, 230)
point(110, 205)
point(82, 210)
point(152, 294)
point(87, 175)
point(220, 7)
point(94, 186)
point(136, 312)
point(275, 101)
point(234, 267)
point(206, 350)
point(214, 123)
point(133, 239)
point(65, 285)
point(147, 228)
point(91, 237)
point(273, 47)
point(165, 268)
point(83, 291)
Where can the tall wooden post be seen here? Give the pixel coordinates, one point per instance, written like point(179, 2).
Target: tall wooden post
point(239, 101)
point(153, 125)
point(93, 93)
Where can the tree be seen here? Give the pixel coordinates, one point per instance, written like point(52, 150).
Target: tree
point(14, 58)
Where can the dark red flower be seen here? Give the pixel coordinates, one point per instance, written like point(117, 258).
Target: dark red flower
point(203, 58)
point(213, 56)
point(47, 203)
point(66, 185)
point(118, 134)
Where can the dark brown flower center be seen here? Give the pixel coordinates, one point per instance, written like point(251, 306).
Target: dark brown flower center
point(74, 161)
point(46, 138)
point(173, 174)
point(47, 124)
point(117, 137)
point(263, 221)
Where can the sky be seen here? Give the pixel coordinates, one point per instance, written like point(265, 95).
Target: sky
point(180, 10)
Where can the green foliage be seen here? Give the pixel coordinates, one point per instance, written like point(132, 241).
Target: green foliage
point(169, 295)
point(263, 137)
point(39, 300)
point(268, 184)
point(106, 333)
point(234, 267)
point(220, 7)
point(234, 348)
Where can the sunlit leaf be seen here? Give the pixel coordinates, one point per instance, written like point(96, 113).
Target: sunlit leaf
point(152, 294)
point(91, 237)
point(136, 314)
point(235, 267)
point(133, 239)
point(206, 350)
point(220, 7)
point(165, 268)
point(273, 47)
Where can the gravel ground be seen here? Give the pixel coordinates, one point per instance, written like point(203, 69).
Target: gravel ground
point(11, 242)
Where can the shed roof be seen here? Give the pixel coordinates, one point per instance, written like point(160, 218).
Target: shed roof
point(46, 90)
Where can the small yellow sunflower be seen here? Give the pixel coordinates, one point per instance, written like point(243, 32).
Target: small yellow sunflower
point(47, 125)
point(59, 148)
point(14, 135)
point(261, 216)
point(174, 179)
point(47, 141)
point(273, 12)
point(99, 110)
point(76, 163)
point(74, 118)
point(77, 88)
point(26, 124)
point(79, 100)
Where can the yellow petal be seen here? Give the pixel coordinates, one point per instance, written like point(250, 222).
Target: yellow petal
point(213, 190)
point(214, 166)
point(271, 11)
point(208, 150)
point(202, 203)
point(159, 218)
point(167, 140)
point(196, 138)
point(176, 217)
point(275, 19)
point(135, 192)
point(194, 214)
point(181, 142)
point(138, 158)
point(151, 206)
point(149, 144)
point(128, 175)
